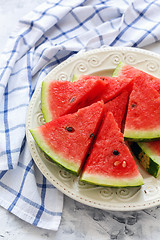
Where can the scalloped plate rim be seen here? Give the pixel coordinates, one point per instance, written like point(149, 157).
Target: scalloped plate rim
point(46, 172)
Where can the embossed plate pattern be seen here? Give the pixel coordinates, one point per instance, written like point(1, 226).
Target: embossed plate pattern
point(98, 61)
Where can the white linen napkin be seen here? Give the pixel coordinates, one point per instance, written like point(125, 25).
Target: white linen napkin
point(44, 38)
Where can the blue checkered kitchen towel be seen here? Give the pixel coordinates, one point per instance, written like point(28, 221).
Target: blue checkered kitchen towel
point(44, 38)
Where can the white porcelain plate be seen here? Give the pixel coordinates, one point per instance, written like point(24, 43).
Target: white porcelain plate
point(98, 61)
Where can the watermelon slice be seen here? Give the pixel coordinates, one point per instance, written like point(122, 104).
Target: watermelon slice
point(67, 139)
point(62, 97)
point(118, 107)
point(143, 114)
point(124, 70)
point(110, 162)
point(148, 154)
point(114, 86)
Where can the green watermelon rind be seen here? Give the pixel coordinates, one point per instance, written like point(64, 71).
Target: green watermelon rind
point(118, 69)
point(141, 135)
point(147, 158)
point(75, 78)
point(44, 101)
point(61, 161)
point(97, 179)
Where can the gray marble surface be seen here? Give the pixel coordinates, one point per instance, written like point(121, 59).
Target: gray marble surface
point(78, 221)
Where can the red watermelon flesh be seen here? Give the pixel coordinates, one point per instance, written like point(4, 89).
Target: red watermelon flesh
point(67, 139)
point(110, 162)
point(154, 146)
point(62, 97)
point(143, 114)
point(114, 86)
point(124, 70)
point(118, 107)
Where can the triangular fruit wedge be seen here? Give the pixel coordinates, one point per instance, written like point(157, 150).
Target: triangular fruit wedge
point(110, 162)
point(67, 139)
point(118, 107)
point(148, 154)
point(62, 97)
point(114, 86)
point(124, 70)
point(143, 114)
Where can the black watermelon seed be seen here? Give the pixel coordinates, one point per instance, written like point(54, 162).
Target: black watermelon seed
point(115, 152)
point(91, 135)
point(72, 100)
point(134, 105)
point(70, 129)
